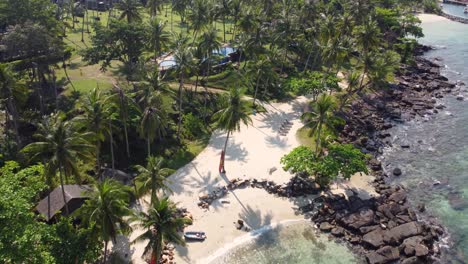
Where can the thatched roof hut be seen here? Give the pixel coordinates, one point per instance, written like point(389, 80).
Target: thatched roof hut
point(75, 196)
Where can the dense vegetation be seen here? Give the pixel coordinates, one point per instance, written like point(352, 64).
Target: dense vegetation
point(60, 126)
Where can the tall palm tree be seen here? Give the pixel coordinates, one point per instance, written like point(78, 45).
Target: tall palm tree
point(154, 6)
point(62, 145)
point(184, 59)
point(10, 91)
point(152, 177)
point(319, 117)
point(158, 37)
point(106, 210)
point(124, 104)
point(161, 226)
point(129, 9)
point(199, 16)
point(234, 111)
point(96, 117)
point(153, 121)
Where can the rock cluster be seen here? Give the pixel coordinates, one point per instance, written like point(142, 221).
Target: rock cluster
point(167, 256)
point(384, 229)
point(297, 186)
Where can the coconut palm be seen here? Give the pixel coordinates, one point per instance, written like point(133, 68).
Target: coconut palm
point(184, 59)
point(158, 37)
point(62, 145)
point(153, 121)
point(152, 177)
point(106, 210)
point(129, 9)
point(10, 92)
point(161, 225)
point(199, 16)
point(97, 118)
point(124, 104)
point(319, 117)
point(154, 6)
point(234, 111)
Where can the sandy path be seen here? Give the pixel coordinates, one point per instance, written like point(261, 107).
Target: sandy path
point(251, 153)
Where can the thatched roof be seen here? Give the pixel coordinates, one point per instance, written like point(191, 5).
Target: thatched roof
point(72, 192)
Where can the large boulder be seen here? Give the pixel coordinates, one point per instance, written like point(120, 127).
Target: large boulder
point(374, 238)
point(421, 250)
point(410, 244)
point(383, 255)
point(357, 220)
point(412, 260)
point(403, 231)
point(397, 197)
point(326, 227)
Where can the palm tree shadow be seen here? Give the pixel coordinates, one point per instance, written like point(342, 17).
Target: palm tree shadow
point(276, 141)
point(122, 248)
point(178, 180)
point(254, 217)
point(236, 152)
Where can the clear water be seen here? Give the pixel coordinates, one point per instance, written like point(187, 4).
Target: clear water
point(455, 10)
point(295, 243)
point(439, 144)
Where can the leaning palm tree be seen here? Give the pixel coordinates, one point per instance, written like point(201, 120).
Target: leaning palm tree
point(106, 210)
point(129, 9)
point(320, 116)
point(62, 145)
point(153, 177)
point(234, 111)
point(161, 226)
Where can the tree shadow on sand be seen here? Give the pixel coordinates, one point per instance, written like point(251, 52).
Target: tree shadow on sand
point(122, 249)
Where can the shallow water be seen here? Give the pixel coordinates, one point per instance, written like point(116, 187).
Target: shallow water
point(455, 10)
point(435, 167)
point(288, 243)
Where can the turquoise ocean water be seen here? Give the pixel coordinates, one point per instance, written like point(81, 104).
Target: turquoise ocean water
point(435, 168)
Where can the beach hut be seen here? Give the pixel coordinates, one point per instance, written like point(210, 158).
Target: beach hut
point(75, 195)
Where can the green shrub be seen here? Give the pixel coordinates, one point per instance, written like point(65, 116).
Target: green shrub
point(193, 126)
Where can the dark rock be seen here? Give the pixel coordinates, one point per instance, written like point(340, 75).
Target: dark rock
point(338, 231)
point(397, 172)
point(326, 227)
point(412, 260)
point(374, 238)
point(403, 231)
point(362, 218)
point(383, 255)
point(421, 250)
point(421, 208)
point(456, 201)
point(367, 229)
point(398, 196)
point(410, 244)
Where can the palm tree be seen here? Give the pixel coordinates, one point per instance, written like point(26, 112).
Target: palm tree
point(153, 177)
point(124, 104)
point(234, 111)
point(320, 116)
point(129, 10)
point(199, 16)
point(162, 226)
point(183, 57)
point(9, 91)
point(106, 210)
point(154, 120)
point(158, 37)
point(154, 6)
point(97, 114)
point(61, 143)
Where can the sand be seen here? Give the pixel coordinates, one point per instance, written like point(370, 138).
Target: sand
point(429, 18)
point(252, 153)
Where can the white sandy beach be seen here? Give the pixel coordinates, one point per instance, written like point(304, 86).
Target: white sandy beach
point(251, 153)
point(428, 18)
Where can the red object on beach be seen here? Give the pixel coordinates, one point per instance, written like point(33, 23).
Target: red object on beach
point(221, 163)
point(153, 259)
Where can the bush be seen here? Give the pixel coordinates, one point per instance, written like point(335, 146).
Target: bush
point(193, 126)
point(312, 83)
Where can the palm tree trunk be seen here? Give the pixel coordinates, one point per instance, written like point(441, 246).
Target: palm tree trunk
point(148, 145)
point(317, 142)
point(12, 110)
point(98, 160)
point(256, 90)
point(224, 28)
point(307, 62)
point(63, 190)
point(105, 251)
point(64, 66)
point(126, 139)
point(181, 84)
point(111, 146)
point(82, 29)
point(225, 143)
point(158, 250)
